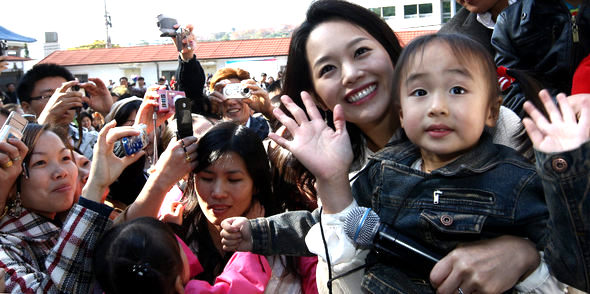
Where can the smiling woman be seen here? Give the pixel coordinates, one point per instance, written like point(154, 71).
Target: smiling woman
point(32, 247)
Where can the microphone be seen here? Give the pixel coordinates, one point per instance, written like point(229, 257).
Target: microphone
point(363, 227)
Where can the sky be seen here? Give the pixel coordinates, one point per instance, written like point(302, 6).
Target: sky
point(80, 22)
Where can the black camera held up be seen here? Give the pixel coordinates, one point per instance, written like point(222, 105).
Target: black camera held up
point(166, 26)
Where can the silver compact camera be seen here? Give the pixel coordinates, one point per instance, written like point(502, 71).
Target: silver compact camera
point(166, 26)
point(236, 91)
point(13, 127)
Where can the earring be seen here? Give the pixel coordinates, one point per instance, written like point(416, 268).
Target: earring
point(15, 206)
point(25, 170)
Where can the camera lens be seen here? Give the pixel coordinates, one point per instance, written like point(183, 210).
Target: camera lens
point(246, 90)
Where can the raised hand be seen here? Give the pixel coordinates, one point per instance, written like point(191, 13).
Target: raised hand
point(259, 101)
point(176, 161)
point(12, 154)
point(146, 110)
point(59, 108)
point(106, 166)
point(564, 131)
point(236, 234)
point(101, 99)
point(325, 152)
point(189, 44)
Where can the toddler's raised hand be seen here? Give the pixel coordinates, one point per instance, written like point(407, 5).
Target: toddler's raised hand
point(564, 131)
point(236, 234)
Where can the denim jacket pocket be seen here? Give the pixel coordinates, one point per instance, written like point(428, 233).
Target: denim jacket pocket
point(444, 230)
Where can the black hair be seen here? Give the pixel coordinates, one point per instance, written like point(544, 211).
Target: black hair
point(125, 111)
point(4, 111)
point(219, 141)
point(276, 85)
point(37, 73)
point(84, 114)
point(123, 78)
point(467, 52)
point(227, 137)
point(139, 256)
point(140, 78)
point(298, 77)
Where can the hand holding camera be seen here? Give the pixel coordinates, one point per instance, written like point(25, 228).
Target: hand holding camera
point(182, 36)
point(259, 100)
point(60, 108)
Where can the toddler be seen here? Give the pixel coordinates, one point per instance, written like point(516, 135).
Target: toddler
point(144, 256)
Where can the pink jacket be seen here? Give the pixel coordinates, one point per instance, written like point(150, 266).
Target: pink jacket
point(245, 272)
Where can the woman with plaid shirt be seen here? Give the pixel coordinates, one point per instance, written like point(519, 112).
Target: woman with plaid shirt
point(39, 253)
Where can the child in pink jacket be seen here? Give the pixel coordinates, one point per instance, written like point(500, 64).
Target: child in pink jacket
point(144, 256)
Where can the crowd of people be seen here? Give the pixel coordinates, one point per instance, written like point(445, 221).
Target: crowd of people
point(472, 143)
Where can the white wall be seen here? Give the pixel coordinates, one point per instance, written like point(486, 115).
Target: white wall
point(398, 22)
point(113, 72)
point(149, 70)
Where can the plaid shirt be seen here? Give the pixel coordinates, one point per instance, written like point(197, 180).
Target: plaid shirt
point(39, 257)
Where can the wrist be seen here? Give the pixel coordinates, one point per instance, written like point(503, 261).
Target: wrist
point(530, 264)
point(335, 193)
point(95, 192)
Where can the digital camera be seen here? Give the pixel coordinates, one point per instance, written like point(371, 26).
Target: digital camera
point(166, 100)
point(13, 127)
point(166, 26)
point(236, 91)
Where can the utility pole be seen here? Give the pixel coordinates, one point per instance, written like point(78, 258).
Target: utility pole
point(107, 19)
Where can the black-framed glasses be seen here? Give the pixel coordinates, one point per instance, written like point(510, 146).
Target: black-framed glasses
point(42, 97)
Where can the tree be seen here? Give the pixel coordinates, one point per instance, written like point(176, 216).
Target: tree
point(94, 45)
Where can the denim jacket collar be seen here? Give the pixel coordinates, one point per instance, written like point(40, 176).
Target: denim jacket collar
point(479, 159)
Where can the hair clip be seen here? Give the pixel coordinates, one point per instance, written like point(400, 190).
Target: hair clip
point(140, 269)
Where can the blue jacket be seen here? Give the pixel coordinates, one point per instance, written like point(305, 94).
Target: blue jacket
point(488, 192)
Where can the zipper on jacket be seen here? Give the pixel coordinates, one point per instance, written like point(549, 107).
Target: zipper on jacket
point(436, 196)
point(575, 30)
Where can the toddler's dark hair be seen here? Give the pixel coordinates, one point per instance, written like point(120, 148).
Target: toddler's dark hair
point(139, 256)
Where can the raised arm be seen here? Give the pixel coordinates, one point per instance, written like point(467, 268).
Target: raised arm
point(562, 152)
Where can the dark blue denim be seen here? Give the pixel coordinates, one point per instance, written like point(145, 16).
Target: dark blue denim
point(488, 192)
point(566, 181)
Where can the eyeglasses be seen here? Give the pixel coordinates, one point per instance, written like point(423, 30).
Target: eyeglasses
point(43, 97)
point(48, 94)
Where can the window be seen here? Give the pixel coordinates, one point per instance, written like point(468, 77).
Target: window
point(388, 11)
point(425, 10)
point(446, 10)
point(384, 12)
point(418, 10)
point(410, 11)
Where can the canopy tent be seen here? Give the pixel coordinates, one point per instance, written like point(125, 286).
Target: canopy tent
point(7, 35)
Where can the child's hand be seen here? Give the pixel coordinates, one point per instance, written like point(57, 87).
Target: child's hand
point(325, 152)
point(174, 215)
point(564, 132)
point(236, 234)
